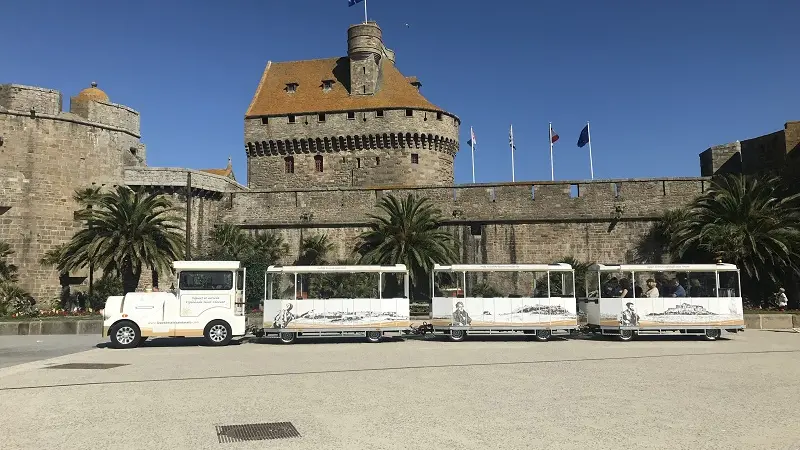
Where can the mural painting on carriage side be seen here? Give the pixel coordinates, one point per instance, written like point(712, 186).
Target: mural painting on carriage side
point(655, 312)
point(485, 312)
point(337, 313)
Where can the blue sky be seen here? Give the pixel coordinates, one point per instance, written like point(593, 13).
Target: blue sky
point(659, 81)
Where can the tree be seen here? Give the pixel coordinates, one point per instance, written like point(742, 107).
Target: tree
point(408, 232)
point(8, 271)
point(751, 221)
point(126, 231)
point(314, 250)
point(256, 253)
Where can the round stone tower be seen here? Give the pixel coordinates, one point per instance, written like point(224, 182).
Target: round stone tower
point(352, 121)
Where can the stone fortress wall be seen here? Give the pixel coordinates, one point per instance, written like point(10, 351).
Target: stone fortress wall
point(366, 153)
point(45, 155)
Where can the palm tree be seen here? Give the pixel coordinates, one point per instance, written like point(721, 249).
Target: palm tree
point(8, 271)
point(127, 230)
point(749, 221)
point(407, 232)
point(654, 247)
point(268, 248)
point(314, 250)
point(229, 242)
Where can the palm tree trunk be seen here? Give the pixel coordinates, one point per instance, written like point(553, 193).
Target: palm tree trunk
point(130, 277)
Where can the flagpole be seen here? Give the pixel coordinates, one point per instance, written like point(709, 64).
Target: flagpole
point(512, 153)
point(472, 148)
point(591, 164)
point(552, 173)
point(365, 12)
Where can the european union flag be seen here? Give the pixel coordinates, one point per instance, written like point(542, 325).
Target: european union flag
point(584, 137)
point(353, 2)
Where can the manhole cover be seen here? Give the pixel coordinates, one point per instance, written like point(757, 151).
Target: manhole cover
point(87, 366)
point(256, 432)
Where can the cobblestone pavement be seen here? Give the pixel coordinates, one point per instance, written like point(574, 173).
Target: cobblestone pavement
point(653, 393)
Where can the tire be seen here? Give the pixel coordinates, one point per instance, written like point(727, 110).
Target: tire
point(125, 334)
point(218, 333)
point(625, 335)
point(712, 334)
point(374, 336)
point(287, 337)
point(543, 335)
point(457, 335)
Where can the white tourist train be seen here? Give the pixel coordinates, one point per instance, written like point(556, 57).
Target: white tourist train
point(537, 299)
point(373, 301)
point(313, 301)
point(630, 299)
point(209, 302)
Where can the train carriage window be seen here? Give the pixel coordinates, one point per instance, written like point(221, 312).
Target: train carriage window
point(206, 280)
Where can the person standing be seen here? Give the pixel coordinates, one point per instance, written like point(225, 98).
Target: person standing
point(782, 299)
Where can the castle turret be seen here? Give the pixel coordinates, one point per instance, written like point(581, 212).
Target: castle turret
point(365, 49)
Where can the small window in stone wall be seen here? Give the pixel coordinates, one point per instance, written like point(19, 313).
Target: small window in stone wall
point(318, 163)
point(264, 120)
point(351, 115)
point(377, 160)
point(409, 113)
point(133, 151)
point(414, 158)
point(379, 113)
point(364, 89)
point(617, 187)
point(292, 119)
point(438, 116)
point(321, 117)
point(358, 163)
point(476, 229)
point(288, 163)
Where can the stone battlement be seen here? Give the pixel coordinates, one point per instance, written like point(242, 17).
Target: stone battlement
point(521, 202)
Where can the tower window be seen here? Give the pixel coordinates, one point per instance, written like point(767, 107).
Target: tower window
point(364, 89)
point(327, 85)
point(291, 88)
point(288, 164)
point(318, 163)
point(321, 117)
point(379, 113)
point(351, 115)
point(133, 151)
point(409, 112)
point(358, 163)
point(414, 158)
point(377, 160)
point(364, 69)
point(438, 116)
point(292, 119)
point(264, 120)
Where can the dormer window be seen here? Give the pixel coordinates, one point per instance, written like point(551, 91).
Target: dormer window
point(327, 85)
point(291, 88)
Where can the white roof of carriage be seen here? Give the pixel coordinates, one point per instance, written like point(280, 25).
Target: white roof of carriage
point(721, 267)
point(206, 265)
point(397, 268)
point(559, 267)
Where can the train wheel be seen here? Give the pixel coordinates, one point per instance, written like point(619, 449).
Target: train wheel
point(374, 336)
point(543, 335)
point(713, 334)
point(625, 335)
point(287, 338)
point(457, 335)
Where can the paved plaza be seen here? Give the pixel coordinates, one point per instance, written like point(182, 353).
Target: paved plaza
point(654, 393)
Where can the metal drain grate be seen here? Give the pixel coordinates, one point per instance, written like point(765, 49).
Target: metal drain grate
point(256, 432)
point(86, 366)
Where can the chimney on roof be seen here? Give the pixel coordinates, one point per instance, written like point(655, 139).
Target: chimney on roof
point(365, 50)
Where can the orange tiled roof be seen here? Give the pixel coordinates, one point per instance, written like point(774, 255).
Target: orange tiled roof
point(271, 97)
point(226, 172)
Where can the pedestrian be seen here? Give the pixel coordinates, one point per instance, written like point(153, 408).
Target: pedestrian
point(782, 300)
